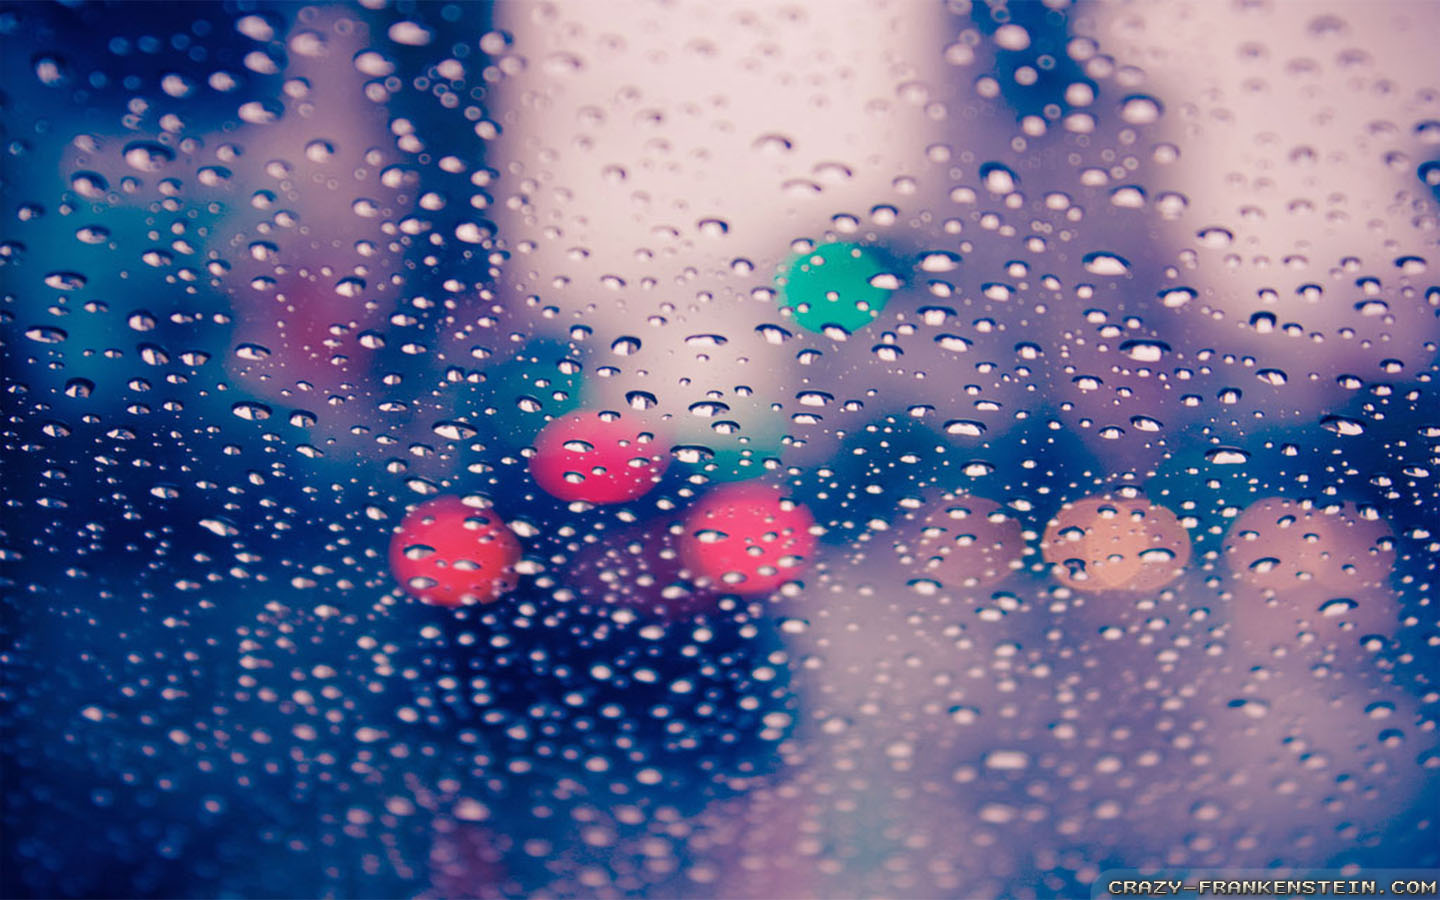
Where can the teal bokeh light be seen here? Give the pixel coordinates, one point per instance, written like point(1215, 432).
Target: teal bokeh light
point(833, 286)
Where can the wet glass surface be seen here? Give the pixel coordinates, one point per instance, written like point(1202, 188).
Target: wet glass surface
point(690, 449)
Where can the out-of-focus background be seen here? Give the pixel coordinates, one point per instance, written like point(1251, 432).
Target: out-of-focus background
point(716, 449)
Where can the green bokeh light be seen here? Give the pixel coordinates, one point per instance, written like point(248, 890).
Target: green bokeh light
point(831, 287)
point(737, 444)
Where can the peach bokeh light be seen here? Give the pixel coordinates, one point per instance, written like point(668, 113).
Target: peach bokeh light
point(1110, 543)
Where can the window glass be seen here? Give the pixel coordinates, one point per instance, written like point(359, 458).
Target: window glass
point(665, 449)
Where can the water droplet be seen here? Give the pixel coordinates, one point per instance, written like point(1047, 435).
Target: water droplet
point(261, 112)
point(46, 334)
point(998, 178)
point(90, 185)
point(250, 411)
point(79, 388)
point(319, 151)
point(1342, 425)
point(1227, 456)
point(641, 400)
point(411, 34)
point(454, 431)
point(939, 261)
point(1108, 264)
point(966, 427)
point(52, 70)
point(474, 232)
point(1007, 760)
point(148, 156)
point(1338, 607)
point(65, 281)
point(1215, 237)
point(1140, 109)
point(1145, 350)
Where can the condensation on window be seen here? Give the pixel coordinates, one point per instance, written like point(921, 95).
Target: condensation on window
point(662, 449)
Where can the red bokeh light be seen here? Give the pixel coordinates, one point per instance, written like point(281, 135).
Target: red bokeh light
point(748, 537)
point(448, 553)
point(597, 457)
